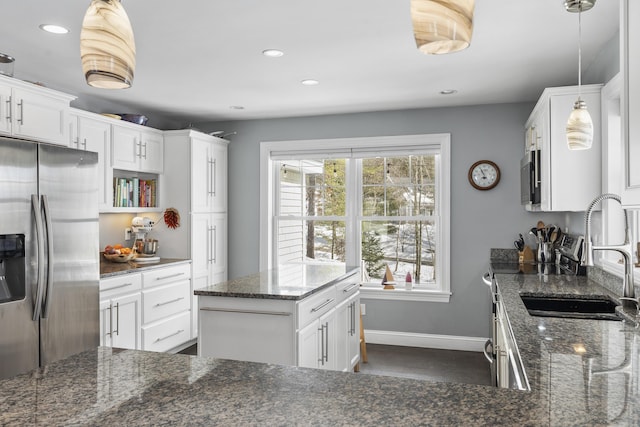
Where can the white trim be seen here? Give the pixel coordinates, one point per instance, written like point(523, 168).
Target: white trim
point(411, 339)
point(405, 295)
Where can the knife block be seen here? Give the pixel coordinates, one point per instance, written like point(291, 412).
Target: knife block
point(526, 256)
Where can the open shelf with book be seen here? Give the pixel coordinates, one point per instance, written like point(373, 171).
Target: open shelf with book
point(135, 192)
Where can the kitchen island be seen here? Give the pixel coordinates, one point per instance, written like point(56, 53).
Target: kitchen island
point(581, 372)
point(296, 314)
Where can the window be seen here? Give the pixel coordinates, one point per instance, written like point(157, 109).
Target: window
point(372, 202)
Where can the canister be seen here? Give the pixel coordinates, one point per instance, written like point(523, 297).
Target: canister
point(6, 64)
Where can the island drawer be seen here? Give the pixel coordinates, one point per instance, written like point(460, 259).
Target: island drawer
point(314, 306)
point(347, 287)
point(162, 276)
point(167, 334)
point(163, 301)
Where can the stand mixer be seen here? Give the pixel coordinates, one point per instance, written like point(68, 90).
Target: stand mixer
point(141, 226)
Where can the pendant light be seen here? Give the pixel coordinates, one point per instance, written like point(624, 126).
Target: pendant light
point(107, 46)
point(579, 126)
point(442, 26)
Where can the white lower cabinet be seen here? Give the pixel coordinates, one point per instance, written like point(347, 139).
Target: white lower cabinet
point(317, 343)
point(166, 312)
point(149, 310)
point(121, 312)
point(348, 333)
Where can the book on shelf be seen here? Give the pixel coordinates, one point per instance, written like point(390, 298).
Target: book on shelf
point(134, 192)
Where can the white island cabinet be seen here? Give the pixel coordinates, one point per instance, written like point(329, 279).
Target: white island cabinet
point(301, 315)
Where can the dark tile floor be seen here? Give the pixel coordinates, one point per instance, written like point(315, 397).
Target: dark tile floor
point(427, 364)
point(420, 363)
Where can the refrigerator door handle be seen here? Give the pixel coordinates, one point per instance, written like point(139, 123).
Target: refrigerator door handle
point(47, 222)
point(35, 205)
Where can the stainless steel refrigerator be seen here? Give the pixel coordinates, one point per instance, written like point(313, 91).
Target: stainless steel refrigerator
point(49, 249)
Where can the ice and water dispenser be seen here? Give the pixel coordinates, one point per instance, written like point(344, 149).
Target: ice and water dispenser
point(12, 268)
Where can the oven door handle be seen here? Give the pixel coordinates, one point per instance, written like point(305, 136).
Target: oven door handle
point(488, 353)
point(486, 278)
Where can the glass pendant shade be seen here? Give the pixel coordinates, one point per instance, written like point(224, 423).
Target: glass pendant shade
point(107, 46)
point(442, 26)
point(579, 127)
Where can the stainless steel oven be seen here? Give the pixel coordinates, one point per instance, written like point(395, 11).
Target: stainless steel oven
point(530, 178)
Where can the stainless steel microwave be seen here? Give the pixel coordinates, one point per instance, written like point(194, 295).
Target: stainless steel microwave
point(530, 178)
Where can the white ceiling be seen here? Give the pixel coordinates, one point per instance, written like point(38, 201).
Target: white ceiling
point(197, 58)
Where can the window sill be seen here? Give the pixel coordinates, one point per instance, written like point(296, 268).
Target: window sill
point(617, 269)
point(401, 294)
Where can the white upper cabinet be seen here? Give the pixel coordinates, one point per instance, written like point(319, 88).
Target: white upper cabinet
point(32, 112)
point(135, 148)
point(91, 132)
point(630, 97)
point(208, 174)
point(569, 180)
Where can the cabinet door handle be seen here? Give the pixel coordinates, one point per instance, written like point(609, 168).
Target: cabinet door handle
point(214, 244)
point(326, 339)
point(160, 304)
point(321, 330)
point(169, 276)
point(353, 318)
point(21, 105)
point(145, 151)
point(117, 318)
point(210, 256)
point(211, 171)
point(329, 301)
point(110, 333)
point(9, 109)
point(213, 176)
point(179, 331)
point(139, 146)
point(84, 144)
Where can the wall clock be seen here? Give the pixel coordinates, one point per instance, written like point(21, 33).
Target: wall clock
point(484, 175)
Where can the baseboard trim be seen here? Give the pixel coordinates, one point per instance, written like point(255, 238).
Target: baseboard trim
point(411, 339)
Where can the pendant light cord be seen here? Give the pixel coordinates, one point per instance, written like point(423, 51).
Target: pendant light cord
point(579, 50)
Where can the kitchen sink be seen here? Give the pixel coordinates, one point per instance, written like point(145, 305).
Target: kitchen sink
point(571, 307)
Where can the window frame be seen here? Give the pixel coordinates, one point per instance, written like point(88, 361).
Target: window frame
point(272, 151)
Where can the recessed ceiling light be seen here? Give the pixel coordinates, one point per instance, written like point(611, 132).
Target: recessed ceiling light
point(236, 107)
point(273, 53)
point(55, 29)
point(310, 82)
point(448, 92)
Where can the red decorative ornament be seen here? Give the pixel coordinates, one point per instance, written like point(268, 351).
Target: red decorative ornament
point(172, 218)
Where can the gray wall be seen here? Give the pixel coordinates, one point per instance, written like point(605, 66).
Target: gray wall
point(480, 220)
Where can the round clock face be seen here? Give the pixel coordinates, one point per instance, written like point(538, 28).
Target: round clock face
point(484, 175)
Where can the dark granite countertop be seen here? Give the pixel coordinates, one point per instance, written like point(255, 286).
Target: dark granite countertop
point(581, 372)
point(290, 282)
point(111, 269)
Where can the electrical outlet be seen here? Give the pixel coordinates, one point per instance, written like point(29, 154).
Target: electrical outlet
point(363, 309)
point(127, 234)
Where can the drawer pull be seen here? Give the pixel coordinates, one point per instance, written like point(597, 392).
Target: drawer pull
point(350, 287)
point(324, 304)
point(160, 304)
point(119, 286)
point(172, 335)
point(169, 276)
point(231, 310)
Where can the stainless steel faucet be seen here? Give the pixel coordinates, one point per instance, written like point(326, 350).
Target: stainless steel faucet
point(625, 249)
